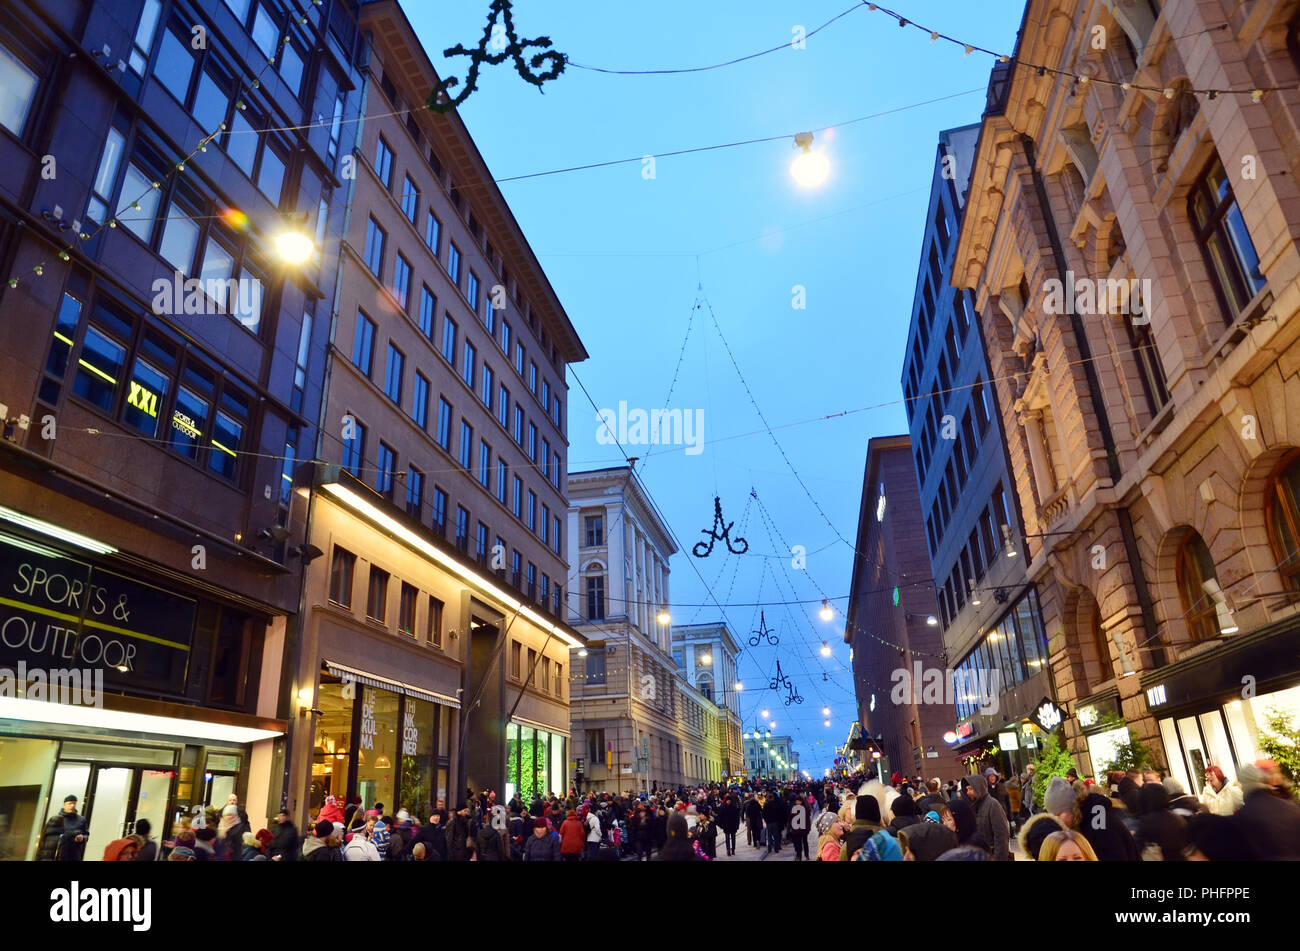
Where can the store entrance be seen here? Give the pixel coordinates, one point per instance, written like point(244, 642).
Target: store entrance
point(113, 797)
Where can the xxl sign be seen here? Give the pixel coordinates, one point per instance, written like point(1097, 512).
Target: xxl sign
point(57, 611)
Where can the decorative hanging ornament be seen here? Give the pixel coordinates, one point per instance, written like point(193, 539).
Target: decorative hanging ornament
point(792, 695)
point(505, 43)
point(702, 551)
point(763, 633)
point(780, 680)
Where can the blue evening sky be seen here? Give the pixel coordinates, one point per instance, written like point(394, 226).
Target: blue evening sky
point(621, 251)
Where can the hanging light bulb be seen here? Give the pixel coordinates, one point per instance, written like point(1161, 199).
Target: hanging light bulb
point(765, 714)
point(809, 169)
point(826, 711)
point(827, 612)
point(739, 686)
point(974, 597)
point(664, 617)
point(828, 722)
point(826, 649)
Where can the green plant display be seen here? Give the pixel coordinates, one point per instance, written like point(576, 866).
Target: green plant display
point(1053, 760)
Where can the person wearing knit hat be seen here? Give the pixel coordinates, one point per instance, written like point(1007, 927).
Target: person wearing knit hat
point(1038, 828)
point(1214, 838)
point(1103, 827)
point(543, 845)
point(926, 841)
point(866, 823)
point(1059, 799)
point(1179, 802)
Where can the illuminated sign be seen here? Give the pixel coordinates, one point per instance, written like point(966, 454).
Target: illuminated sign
point(964, 730)
point(1156, 696)
point(880, 504)
point(143, 399)
point(1087, 716)
point(1048, 715)
point(184, 423)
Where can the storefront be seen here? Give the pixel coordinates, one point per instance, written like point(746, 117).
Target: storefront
point(536, 761)
point(138, 699)
point(380, 741)
point(1100, 720)
point(1214, 708)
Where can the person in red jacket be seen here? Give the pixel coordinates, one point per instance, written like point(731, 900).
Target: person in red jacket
point(572, 836)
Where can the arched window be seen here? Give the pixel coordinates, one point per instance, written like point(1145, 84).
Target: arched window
point(1284, 518)
point(1195, 567)
point(705, 686)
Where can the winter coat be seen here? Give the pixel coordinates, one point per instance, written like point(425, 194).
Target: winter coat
point(830, 850)
point(1271, 826)
point(572, 836)
point(1107, 835)
point(321, 850)
point(545, 849)
point(729, 817)
point(998, 791)
point(434, 837)
point(1224, 802)
point(856, 837)
point(753, 814)
point(58, 841)
point(774, 813)
point(360, 849)
point(488, 845)
point(990, 819)
point(284, 843)
point(797, 823)
point(458, 833)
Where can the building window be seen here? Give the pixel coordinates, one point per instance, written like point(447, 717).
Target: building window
point(393, 374)
point(386, 461)
point(420, 402)
point(485, 390)
point(377, 595)
point(519, 424)
point(481, 543)
point(595, 525)
point(432, 232)
point(1195, 567)
point(444, 424)
point(516, 660)
point(449, 340)
point(406, 610)
point(414, 492)
point(384, 163)
point(467, 369)
point(435, 621)
point(503, 473)
point(472, 291)
point(1284, 518)
point(532, 511)
point(596, 598)
point(410, 199)
point(453, 263)
point(485, 464)
point(439, 520)
point(1150, 370)
point(555, 536)
point(516, 499)
point(342, 566)
point(402, 281)
point(428, 304)
point(503, 407)
point(462, 528)
point(596, 738)
point(532, 582)
point(1221, 232)
point(466, 444)
point(375, 237)
point(354, 446)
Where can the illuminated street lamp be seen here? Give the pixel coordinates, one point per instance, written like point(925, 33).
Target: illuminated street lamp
point(294, 247)
point(810, 169)
point(827, 613)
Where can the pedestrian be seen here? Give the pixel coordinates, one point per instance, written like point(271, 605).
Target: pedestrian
point(1215, 838)
point(64, 837)
point(729, 823)
point(1270, 823)
point(572, 836)
point(753, 821)
point(323, 846)
point(591, 821)
point(460, 839)
point(1038, 828)
point(866, 823)
point(183, 849)
point(1067, 845)
point(1218, 795)
point(149, 851)
point(1180, 803)
point(1100, 824)
point(880, 847)
point(1162, 836)
point(487, 844)
point(678, 847)
point(774, 820)
point(359, 847)
point(998, 790)
point(433, 836)
point(543, 845)
point(990, 818)
point(1059, 800)
point(905, 814)
point(121, 850)
point(252, 847)
point(284, 841)
point(331, 811)
point(706, 833)
point(831, 842)
point(798, 826)
point(926, 841)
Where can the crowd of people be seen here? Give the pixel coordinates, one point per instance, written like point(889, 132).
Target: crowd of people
point(1134, 816)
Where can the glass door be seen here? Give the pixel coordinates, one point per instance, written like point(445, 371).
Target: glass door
point(110, 802)
point(1193, 748)
point(151, 802)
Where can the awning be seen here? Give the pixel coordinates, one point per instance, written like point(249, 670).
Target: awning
point(374, 680)
point(63, 714)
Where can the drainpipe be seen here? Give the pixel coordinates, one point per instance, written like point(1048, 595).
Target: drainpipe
point(1098, 405)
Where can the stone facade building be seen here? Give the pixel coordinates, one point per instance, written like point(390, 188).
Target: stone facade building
point(1153, 437)
point(638, 723)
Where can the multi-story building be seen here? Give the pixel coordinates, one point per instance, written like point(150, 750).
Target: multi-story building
point(992, 630)
point(706, 655)
point(1129, 239)
point(637, 723)
point(158, 360)
point(433, 649)
point(771, 757)
point(893, 635)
